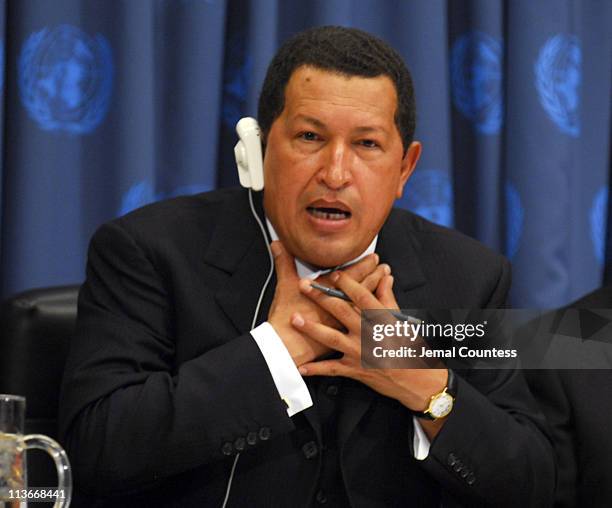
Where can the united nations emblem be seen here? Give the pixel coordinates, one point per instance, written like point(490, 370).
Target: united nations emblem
point(476, 79)
point(515, 218)
point(429, 194)
point(65, 79)
point(557, 79)
point(597, 220)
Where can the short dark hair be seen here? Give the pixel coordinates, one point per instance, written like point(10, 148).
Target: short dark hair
point(346, 51)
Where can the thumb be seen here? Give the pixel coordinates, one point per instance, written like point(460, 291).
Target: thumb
point(283, 261)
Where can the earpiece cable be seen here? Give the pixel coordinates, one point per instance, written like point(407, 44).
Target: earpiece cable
point(253, 323)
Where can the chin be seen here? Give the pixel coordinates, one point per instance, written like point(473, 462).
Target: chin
point(329, 258)
point(327, 262)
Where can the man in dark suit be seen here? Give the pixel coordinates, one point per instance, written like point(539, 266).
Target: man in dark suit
point(194, 382)
point(577, 406)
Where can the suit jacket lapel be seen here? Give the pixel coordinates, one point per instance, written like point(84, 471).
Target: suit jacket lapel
point(238, 247)
point(397, 247)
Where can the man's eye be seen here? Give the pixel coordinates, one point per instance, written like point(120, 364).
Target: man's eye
point(368, 143)
point(309, 136)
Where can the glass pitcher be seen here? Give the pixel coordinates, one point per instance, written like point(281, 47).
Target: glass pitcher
point(14, 491)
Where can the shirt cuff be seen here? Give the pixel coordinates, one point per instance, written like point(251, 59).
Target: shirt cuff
point(420, 443)
point(287, 378)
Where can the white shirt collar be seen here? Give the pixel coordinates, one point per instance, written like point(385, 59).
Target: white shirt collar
point(307, 271)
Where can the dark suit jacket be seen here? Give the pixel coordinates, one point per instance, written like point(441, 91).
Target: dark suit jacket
point(163, 375)
point(578, 406)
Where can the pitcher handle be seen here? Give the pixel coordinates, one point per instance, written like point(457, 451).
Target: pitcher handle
point(62, 464)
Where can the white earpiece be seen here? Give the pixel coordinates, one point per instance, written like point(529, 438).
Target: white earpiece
point(248, 155)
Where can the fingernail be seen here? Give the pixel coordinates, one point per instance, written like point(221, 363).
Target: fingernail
point(305, 285)
point(392, 280)
point(297, 320)
point(387, 269)
point(275, 248)
point(376, 258)
point(303, 370)
point(334, 276)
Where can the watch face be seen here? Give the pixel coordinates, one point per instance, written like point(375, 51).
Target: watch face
point(441, 405)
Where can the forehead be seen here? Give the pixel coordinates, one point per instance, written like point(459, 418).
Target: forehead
point(310, 88)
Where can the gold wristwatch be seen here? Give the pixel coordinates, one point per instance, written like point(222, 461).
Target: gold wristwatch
point(441, 404)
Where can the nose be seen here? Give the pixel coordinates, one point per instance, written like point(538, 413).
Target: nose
point(336, 172)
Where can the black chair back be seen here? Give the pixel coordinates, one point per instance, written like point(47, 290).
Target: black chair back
point(35, 330)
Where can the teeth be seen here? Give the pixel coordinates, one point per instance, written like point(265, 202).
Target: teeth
point(320, 214)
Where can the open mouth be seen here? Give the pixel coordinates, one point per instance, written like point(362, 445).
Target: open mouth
point(327, 213)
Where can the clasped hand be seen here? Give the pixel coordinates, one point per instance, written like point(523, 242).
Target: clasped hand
point(288, 299)
point(331, 324)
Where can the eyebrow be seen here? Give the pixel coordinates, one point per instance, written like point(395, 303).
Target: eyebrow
point(362, 129)
point(368, 129)
point(316, 122)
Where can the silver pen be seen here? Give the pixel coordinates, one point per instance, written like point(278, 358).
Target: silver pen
point(331, 291)
point(337, 293)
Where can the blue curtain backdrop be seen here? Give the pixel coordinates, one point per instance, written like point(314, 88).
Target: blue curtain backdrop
point(111, 105)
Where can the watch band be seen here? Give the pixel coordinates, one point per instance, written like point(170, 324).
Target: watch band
point(451, 383)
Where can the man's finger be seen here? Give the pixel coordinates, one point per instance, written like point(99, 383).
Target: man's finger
point(360, 270)
point(283, 261)
point(325, 335)
point(338, 308)
point(372, 281)
point(331, 368)
point(360, 296)
point(384, 292)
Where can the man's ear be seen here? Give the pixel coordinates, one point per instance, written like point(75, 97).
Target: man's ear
point(409, 162)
